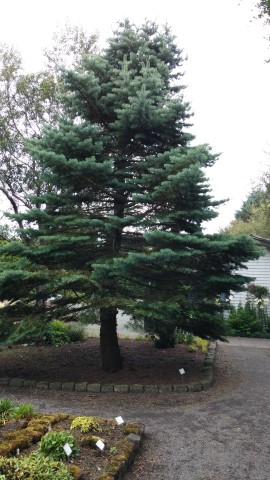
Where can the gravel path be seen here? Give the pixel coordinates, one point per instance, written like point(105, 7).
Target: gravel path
point(222, 433)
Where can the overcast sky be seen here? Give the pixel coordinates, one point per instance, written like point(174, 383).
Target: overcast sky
point(226, 73)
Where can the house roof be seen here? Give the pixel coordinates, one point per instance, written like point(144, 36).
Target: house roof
point(263, 241)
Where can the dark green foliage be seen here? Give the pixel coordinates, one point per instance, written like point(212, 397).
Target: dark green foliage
point(52, 444)
point(56, 333)
point(122, 227)
point(243, 320)
point(249, 320)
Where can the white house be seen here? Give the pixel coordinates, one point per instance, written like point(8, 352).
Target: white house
point(258, 269)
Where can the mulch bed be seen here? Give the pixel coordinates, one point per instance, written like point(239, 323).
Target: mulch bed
point(80, 362)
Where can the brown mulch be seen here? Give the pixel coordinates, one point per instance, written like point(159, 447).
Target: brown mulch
point(80, 362)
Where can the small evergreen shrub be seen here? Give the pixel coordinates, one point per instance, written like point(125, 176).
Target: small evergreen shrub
point(247, 320)
point(85, 424)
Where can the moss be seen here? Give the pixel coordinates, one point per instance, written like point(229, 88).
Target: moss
point(75, 471)
point(90, 441)
point(131, 428)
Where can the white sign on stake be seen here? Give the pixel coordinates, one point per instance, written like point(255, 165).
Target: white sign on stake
point(67, 449)
point(119, 420)
point(100, 445)
point(182, 371)
point(17, 452)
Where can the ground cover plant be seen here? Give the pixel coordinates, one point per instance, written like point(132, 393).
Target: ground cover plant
point(34, 448)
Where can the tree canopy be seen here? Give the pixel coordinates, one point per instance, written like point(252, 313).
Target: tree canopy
point(121, 226)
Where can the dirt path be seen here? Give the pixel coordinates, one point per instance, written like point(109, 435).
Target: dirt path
point(222, 433)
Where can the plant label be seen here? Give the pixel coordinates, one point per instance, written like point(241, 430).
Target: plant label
point(119, 420)
point(182, 371)
point(17, 452)
point(67, 449)
point(100, 445)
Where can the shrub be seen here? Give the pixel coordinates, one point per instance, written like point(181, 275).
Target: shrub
point(85, 424)
point(244, 320)
point(52, 444)
point(35, 466)
point(56, 333)
point(75, 331)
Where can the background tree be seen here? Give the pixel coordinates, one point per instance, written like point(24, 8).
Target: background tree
point(122, 227)
point(28, 101)
point(254, 214)
point(264, 7)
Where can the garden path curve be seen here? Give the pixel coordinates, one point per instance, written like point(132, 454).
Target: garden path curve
point(220, 433)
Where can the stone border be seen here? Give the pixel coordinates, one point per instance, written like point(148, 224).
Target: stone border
point(136, 440)
point(204, 384)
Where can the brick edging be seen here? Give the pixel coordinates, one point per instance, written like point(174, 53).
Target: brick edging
point(204, 384)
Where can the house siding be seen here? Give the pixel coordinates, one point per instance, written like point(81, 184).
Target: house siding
point(258, 269)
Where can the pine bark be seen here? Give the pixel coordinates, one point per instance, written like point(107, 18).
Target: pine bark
point(111, 359)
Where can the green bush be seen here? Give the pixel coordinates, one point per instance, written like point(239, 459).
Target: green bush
point(75, 331)
point(34, 467)
point(56, 333)
point(52, 444)
point(247, 320)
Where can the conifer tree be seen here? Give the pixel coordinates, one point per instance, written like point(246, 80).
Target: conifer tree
point(122, 227)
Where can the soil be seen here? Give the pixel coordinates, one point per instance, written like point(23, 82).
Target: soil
point(80, 362)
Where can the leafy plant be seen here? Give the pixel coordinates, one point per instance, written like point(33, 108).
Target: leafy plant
point(244, 320)
point(26, 410)
point(52, 444)
point(75, 331)
point(56, 333)
point(35, 466)
point(85, 424)
point(6, 408)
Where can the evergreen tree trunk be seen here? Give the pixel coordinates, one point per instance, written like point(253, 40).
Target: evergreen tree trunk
point(111, 359)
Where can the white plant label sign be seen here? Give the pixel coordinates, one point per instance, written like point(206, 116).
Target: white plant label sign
point(182, 371)
point(119, 420)
point(67, 449)
point(100, 445)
